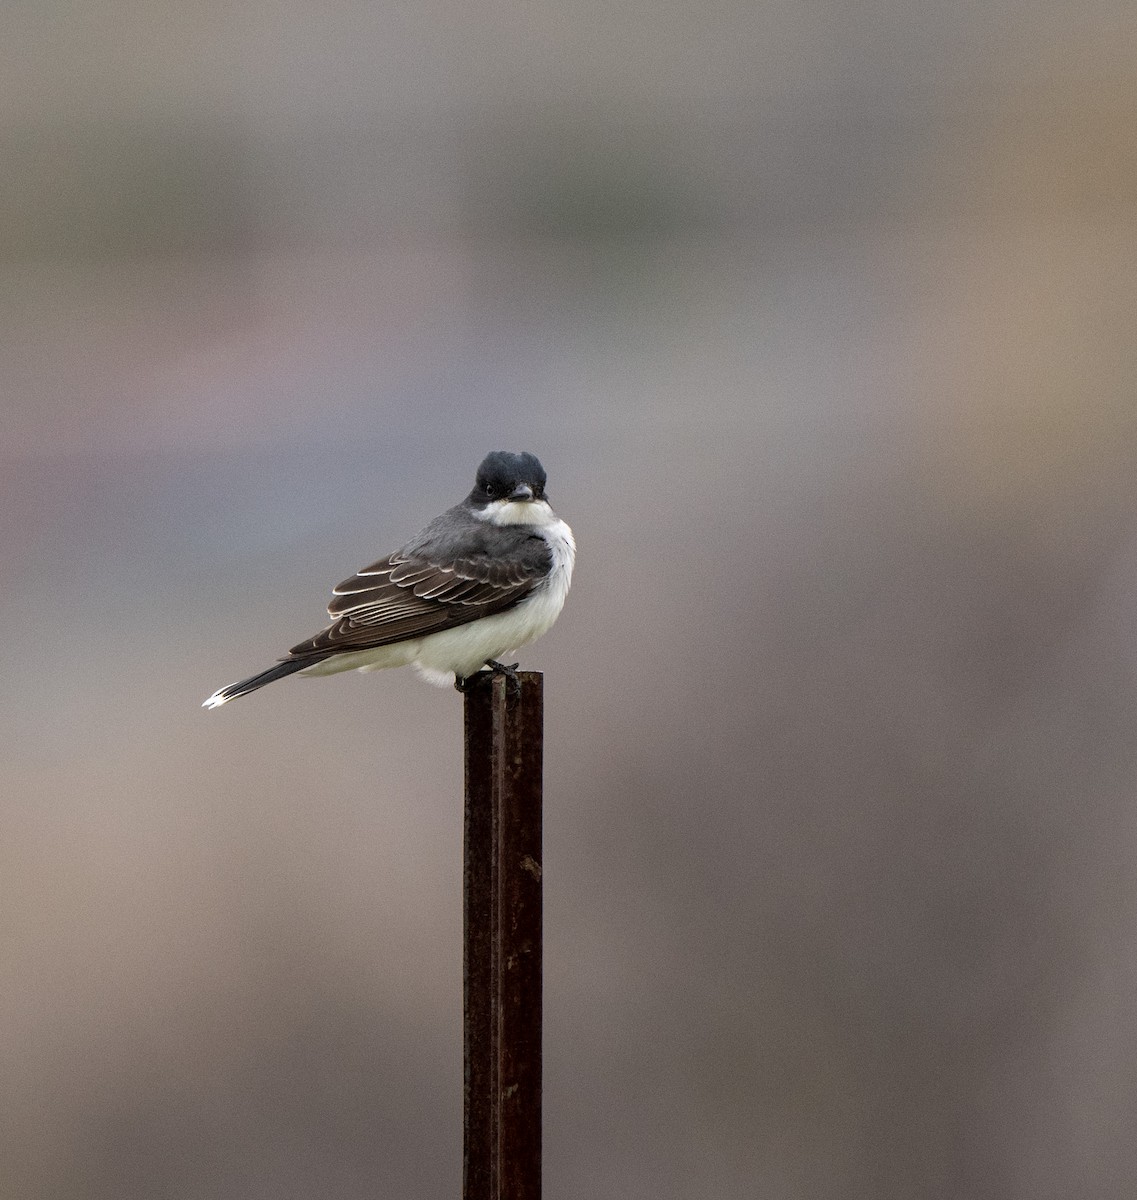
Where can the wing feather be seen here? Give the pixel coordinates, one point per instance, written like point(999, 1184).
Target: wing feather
point(411, 594)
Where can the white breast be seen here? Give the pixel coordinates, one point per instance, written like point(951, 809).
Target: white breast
point(465, 649)
point(553, 591)
point(549, 598)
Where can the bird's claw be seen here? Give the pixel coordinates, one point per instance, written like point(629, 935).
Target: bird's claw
point(509, 671)
point(463, 683)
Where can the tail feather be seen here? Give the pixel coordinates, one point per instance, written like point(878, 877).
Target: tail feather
point(286, 667)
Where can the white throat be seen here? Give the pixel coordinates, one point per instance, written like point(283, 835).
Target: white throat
point(518, 512)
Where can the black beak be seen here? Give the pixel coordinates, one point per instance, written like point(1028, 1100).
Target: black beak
point(522, 492)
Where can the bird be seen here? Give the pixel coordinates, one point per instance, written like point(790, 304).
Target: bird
point(485, 578)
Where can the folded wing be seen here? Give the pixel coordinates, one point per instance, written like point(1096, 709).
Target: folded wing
point(411, 595)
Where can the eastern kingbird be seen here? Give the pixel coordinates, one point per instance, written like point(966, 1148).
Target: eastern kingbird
point(486, 577)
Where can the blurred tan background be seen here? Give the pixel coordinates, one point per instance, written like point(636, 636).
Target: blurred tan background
point(821, 318)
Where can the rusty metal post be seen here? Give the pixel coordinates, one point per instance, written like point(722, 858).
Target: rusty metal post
point(502, 947)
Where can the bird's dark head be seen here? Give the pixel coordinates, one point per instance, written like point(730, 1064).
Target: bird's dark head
point(506, 477)
point(510, 490)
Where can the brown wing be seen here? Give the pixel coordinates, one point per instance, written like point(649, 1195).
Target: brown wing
point(406, 596)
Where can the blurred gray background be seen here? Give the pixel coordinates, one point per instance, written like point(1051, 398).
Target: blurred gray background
point(821, 317)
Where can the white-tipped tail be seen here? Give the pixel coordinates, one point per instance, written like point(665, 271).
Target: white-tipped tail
point(242, 688)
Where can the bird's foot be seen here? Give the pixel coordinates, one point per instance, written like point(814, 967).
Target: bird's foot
point(510, 672)
point(463, 683)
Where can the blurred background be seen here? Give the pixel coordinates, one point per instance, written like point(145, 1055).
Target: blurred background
point(821, 318)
